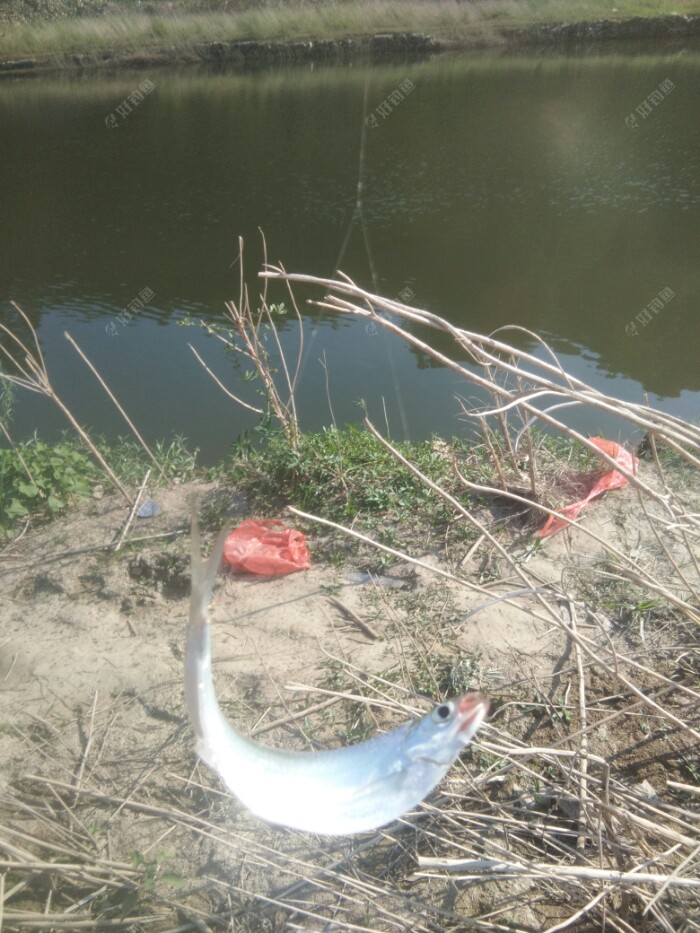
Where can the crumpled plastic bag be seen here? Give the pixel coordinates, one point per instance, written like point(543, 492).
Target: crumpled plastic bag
point(599, 483)
point(266, 547)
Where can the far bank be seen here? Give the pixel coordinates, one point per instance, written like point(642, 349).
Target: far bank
point(57, 35)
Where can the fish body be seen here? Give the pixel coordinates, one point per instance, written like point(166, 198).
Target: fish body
point(334, 792)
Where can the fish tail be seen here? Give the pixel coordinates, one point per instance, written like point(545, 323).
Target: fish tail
point(199, 689)
point(203, 574)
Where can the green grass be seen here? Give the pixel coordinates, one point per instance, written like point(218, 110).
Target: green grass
point(129, 460)
point(42, 480)
point(40, 477)
point(347, 476)
point(344, 473)
point(186, 24)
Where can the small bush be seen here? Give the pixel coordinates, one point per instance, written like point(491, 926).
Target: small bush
point(37, 477)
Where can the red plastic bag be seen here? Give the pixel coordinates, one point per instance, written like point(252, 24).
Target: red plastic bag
point(266, 547)
point(598, 483)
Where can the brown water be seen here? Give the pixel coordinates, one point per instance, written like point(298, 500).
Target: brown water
point(499, 191)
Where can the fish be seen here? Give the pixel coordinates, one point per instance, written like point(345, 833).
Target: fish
point(333, 792)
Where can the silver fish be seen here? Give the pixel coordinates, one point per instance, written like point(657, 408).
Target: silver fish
point(336, 792)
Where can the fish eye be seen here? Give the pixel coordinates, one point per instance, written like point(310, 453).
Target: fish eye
point(442, 712)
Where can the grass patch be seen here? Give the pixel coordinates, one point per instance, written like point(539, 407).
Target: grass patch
point(42, 480)
point(347, 476)
point(130, 462)
point(344, 473)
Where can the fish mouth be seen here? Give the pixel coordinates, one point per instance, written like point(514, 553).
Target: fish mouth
point(473, 708)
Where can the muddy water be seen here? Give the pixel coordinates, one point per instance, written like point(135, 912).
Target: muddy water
point(555, 193)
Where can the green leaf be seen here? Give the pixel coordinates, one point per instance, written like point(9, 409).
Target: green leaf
point(28, 489)
point(16, 509)
point(54, 503)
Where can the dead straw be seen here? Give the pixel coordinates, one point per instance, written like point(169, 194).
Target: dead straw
point(470, 868)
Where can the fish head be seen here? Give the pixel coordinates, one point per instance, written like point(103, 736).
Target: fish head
point(440, 736)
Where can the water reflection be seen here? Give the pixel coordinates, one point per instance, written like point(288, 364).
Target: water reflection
point(499, 191)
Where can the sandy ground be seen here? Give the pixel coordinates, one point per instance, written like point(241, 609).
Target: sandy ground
point(110, 623)
point(92, 707)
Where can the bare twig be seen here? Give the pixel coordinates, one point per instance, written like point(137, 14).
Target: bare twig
point(134, 507)
point(35, 378)
point(115, 401)
point(351, 614)
point(470, 868)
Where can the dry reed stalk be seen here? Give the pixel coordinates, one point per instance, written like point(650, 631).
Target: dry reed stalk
point(75, 552)
point(501, 419)
point(212, 375)
point(606, 811)
point(88, 742)
point(512, 869)
point(34, 377)
point(21, 459)
point(248, 325)
point(93, 369)
point(134, 507)
point(353, 616)
point(495, 459)
point(484, 350)
point(583, 740)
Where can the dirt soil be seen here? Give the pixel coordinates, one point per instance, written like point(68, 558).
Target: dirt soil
point(98, 758)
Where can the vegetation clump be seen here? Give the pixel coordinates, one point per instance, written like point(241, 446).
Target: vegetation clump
point(37, 477)
point(344, 474)
point(40, 480)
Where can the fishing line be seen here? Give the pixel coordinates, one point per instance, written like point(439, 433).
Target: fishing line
point(359, 216)
point(492, 602)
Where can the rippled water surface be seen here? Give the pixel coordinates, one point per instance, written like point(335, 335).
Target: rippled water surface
point(498, 191)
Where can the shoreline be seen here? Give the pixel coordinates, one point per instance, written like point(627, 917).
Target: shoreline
point(247, 53)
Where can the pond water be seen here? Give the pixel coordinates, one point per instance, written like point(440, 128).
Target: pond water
point(497, 191)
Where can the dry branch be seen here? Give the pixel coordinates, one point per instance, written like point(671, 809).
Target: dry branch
point(470, 868)
point(34, 376)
